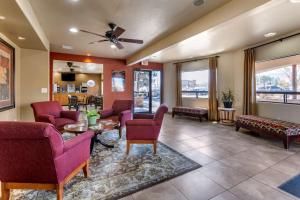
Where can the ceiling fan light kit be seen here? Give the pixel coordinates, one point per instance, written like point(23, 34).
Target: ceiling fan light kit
point(113, 46)
point(112, 36)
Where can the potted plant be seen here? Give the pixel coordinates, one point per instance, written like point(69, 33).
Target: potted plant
point(92, 116)
point(227, 98)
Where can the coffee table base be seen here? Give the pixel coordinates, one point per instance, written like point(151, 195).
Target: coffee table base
point(95, 139)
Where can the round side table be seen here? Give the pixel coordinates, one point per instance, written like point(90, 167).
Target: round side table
point(226, 115)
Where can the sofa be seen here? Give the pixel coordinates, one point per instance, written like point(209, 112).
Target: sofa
point(286, 131)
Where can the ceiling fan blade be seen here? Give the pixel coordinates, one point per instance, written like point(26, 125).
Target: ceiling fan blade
point(118, 31)
point(119, 45)
point(84, 31)
point(131, 40)
point(97, 41)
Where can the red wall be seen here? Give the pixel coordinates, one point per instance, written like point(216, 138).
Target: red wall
point(109, 64)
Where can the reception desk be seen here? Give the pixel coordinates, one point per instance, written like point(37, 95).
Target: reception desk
point(62, 98)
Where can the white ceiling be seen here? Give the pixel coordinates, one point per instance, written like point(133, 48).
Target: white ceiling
point(279, 16)
point(17, 24)
point(89, 68)
point(142, 19)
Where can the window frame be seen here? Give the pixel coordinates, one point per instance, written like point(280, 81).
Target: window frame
point(194, 92)
point(284, 93)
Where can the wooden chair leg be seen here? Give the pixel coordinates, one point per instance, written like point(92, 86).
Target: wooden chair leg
point(59, 191)
point(127, 147)
point(5, 192)
point(154, 146)
point(86, 170)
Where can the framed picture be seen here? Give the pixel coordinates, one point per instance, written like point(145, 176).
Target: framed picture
point(118, 81)
point(7, 76)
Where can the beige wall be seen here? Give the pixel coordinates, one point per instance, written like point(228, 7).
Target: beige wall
point(230, 76)
point(191, 102)
point(34, 77)
point(287, 112)
point(169, 85)
point(13, 114)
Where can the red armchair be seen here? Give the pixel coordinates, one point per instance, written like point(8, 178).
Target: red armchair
point(52, 112)
point(121, 112)
point(34, 156)
point(146, 130)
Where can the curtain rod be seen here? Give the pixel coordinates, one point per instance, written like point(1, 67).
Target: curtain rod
point(278, 40)
point(194, 60)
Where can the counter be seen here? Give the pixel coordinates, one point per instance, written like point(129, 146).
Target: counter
point(62, 98)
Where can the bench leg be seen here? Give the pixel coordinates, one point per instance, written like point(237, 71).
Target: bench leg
point(200, 118)
point(237, 128)
point(173, 114)
point(286, 142)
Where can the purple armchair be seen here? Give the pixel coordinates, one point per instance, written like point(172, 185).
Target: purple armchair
point(52, 112)
point(146, 130)
point(121, 112)
point(33, 155)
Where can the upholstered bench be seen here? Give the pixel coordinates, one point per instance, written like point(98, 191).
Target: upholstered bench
point(191, 112)
point(287, 131)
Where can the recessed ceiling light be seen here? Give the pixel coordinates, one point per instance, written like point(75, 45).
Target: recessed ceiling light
point(21, 38)
point(2, 17)
point(74, 0)
point(295, 1)
point(73, 30)
point(113, 46)
point(270, 34)
point(67, 47)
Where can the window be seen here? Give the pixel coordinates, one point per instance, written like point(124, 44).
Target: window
point(194, 84)
point(279, 84)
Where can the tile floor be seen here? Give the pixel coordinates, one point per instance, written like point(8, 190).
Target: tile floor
point(236, 165)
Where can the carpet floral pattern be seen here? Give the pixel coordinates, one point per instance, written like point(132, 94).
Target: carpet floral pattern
point(114, 174)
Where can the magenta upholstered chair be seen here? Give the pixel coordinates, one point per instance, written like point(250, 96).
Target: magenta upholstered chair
point(121, 111)
point(145, 131)
point(52, 112)
point(33, 155)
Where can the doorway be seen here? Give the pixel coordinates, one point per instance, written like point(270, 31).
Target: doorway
point(147, 90)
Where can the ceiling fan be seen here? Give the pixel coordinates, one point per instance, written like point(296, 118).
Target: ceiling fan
point(73, 68)
point(113, 36)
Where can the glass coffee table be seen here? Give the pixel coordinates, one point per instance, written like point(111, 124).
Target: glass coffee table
point(101, 127)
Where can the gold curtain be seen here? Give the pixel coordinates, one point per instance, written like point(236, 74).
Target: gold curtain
point(249, 100)
point(212, 90)
point(178, 85)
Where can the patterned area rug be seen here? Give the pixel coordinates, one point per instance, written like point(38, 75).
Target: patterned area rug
point(115, 175)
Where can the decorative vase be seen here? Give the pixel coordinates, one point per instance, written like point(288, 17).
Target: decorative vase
point(227, 104)
point(92, 120)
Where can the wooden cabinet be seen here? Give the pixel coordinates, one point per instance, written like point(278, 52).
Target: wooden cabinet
point(62, 98)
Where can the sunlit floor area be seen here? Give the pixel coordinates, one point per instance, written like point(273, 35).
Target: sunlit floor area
point(235, 165)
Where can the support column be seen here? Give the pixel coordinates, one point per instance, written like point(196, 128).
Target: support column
point(294, 79)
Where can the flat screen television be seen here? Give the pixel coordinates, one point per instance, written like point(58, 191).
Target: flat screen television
point(67, 76)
